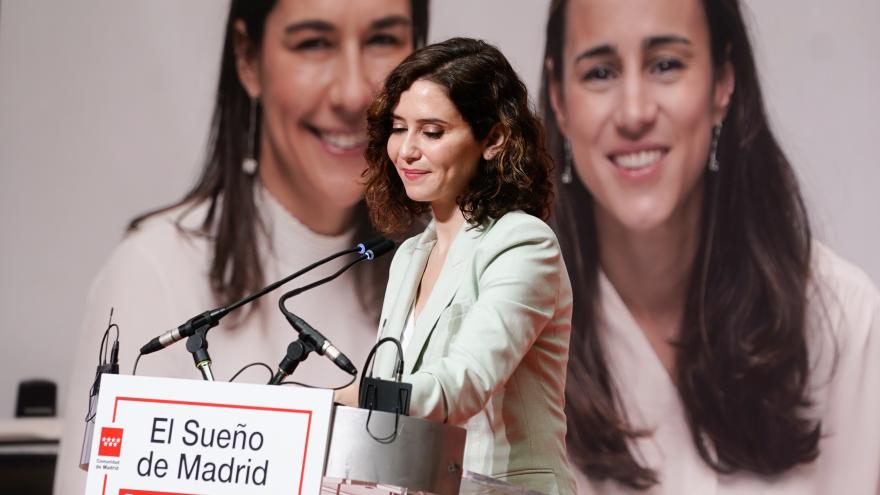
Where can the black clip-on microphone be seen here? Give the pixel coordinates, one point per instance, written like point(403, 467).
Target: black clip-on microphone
point(376, 394)
point(196, 328)
point(311, 340)
point(385, 395)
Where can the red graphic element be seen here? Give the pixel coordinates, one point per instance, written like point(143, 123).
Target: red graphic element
point(127, 491)
point(111, 442)
point(308, 414)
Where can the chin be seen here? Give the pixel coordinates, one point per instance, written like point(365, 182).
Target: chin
point(643, 220)
point(343, 194)
point(415, 195)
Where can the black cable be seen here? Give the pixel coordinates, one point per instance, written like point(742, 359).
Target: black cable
point(368, 363)
point(313, 386)
point(105, 342)
point(273, 286)
point(248, 366)
point(391, 437)
point(135, 368)
point(316, 283)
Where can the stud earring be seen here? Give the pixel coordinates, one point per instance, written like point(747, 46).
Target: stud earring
point(566, 176)
point(249, 164)
point(714, 166)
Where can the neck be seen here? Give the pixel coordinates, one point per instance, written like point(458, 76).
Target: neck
point(319, 214)
point(650, 269)
point(448, 220)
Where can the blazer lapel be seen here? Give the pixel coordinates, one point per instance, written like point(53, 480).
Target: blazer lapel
point(394, 320)
point(441, 296)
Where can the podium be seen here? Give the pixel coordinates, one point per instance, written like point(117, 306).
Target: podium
point(175, 437)
point(424, 457)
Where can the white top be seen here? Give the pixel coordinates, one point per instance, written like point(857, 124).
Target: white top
point(843, 304)
point(157, 278)
point(408, 328)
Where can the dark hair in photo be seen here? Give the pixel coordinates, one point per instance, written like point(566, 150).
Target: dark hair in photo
point(487, 92)
point(742, 363)
point(232, 217)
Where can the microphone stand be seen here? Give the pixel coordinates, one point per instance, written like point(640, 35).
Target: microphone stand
point(297, 352)
point(197, 345)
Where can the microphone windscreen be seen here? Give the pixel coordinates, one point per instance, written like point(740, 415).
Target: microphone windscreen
point(383, 247)
point(368, 245)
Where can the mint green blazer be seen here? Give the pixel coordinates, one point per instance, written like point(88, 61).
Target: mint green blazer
point(490, 348)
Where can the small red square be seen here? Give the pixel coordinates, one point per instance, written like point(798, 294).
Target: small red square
point(111, 442)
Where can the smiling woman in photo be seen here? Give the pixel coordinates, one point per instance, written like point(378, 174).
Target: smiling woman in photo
point(717, 348)
point(280, 188)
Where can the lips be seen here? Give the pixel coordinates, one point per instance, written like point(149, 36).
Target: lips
point(340, 141)
point(413, 173)
point(636, 160)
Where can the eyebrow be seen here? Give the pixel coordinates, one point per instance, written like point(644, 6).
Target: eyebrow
point(665, 39)
point(422, 121)
point(309, 25)
point(647, 44)
point(390, 22)
point(324, 26)
point(596, 51)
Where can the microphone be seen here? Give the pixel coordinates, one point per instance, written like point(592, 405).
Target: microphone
point(372, 243)
point(311, 339)
point(379, 248)
point(210, 319)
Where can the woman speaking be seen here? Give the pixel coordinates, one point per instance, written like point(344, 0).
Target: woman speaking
point(480, 300)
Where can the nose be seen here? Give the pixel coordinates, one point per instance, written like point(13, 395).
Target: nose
point(636, 109)
point(351, 90)
point(409, 150)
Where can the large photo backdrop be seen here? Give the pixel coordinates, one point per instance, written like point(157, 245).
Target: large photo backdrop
point(104, 110)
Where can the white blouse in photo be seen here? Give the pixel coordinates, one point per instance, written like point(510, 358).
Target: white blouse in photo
point(843, 314)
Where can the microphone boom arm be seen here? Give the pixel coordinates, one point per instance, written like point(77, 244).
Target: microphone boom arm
point(210, 319)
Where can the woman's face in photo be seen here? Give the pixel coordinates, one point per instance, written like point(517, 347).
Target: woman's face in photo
point(432, 146)
point(317, 69)
point(637, 100)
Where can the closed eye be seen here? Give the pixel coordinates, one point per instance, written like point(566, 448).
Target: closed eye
point(433, 134)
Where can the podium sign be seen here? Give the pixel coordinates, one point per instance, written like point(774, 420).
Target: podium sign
point(163, 436)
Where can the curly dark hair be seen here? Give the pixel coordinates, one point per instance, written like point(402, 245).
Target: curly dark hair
point(487, 92)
